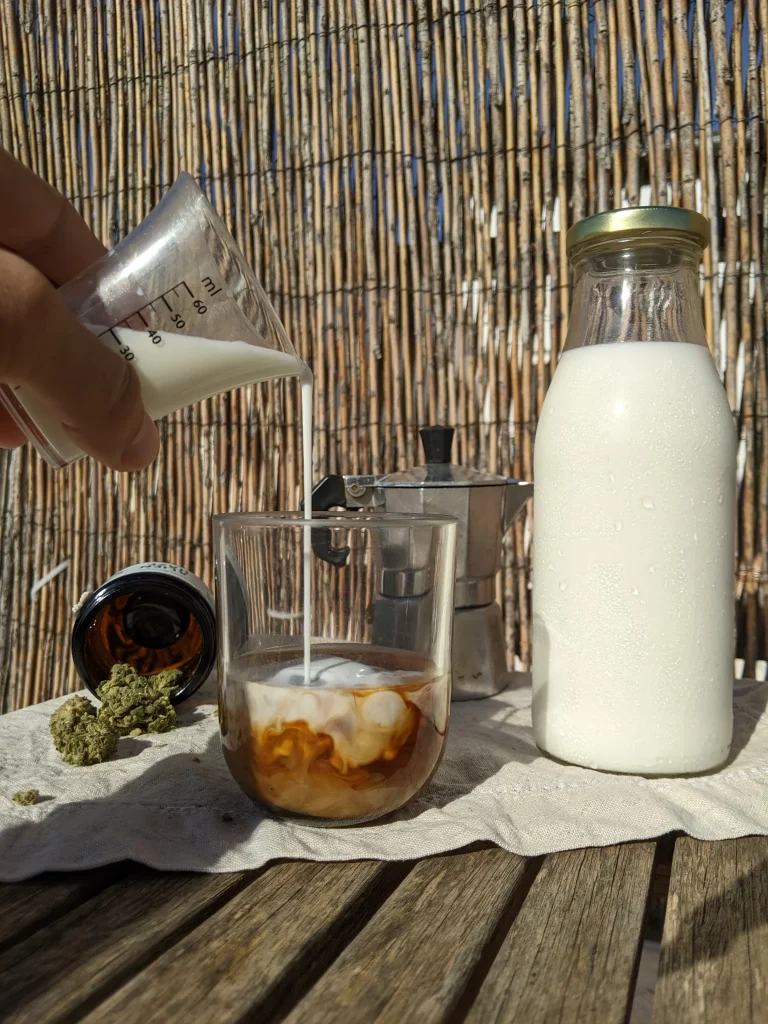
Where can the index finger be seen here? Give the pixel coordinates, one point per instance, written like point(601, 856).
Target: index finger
point(40, 225)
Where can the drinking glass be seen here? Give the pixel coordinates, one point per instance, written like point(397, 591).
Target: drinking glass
point(334, 658)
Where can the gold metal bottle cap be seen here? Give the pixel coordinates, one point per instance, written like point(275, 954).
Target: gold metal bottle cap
point(636, 221)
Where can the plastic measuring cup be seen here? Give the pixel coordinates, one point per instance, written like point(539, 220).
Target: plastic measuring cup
point(178, 300)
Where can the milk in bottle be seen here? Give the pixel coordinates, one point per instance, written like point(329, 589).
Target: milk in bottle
point(634, 468)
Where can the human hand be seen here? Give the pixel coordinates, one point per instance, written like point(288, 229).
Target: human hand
point(93, 391)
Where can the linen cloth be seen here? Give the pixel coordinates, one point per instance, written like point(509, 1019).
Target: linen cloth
point(168, 801)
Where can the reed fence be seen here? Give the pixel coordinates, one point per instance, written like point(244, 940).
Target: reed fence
point(401, 176)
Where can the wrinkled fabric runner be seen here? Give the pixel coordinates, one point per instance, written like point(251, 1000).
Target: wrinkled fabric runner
point(168, 801)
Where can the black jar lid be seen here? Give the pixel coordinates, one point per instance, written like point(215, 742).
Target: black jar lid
point(156, 584)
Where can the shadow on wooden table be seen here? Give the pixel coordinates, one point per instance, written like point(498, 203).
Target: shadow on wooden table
point(715, 927)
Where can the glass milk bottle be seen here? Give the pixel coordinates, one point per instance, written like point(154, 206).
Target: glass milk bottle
point(634, 506)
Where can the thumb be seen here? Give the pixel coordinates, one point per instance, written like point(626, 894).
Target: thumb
point(92, 390)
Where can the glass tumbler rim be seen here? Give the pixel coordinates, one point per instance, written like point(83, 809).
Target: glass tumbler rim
point(344, 520)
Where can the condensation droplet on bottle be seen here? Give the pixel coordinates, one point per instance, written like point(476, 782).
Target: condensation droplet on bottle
point(651, 568)
point(563, 585)
point(617, 524)
point(635, 592)
point(648, 503)
point(696, 538)
point(551, 567)
point(611, 479)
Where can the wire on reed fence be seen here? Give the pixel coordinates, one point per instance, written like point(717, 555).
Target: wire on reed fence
point(401, 176)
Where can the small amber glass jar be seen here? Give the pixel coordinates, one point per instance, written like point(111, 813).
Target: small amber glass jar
point(153, 616)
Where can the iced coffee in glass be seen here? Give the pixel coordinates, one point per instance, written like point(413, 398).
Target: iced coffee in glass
point(334, 709)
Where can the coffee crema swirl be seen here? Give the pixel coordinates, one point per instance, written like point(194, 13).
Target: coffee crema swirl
point(340, 752)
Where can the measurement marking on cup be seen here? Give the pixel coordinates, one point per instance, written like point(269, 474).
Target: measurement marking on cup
point(211, 286)
point(125, 350)
point(178, 320)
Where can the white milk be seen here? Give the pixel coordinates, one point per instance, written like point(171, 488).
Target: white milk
point(341, 674)
point(306, 379)
point(360, 707)
point(175, 373)
point(633, 645)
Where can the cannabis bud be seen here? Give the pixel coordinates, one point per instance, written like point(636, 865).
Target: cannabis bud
point(26, 797)
point(133, 704)
point(79, 735)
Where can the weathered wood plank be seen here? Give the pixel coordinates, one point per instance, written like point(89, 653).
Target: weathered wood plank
point(72, 961)
point(571, 954)
point(714, 953)
point(413, 960)
point(259, 952)
point(26, 906)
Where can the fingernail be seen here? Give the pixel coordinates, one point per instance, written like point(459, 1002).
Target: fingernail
point(143, 448)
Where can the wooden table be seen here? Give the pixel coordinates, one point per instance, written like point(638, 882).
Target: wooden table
point(480, 936)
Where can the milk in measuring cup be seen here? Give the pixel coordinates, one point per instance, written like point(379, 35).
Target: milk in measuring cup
point(175, 371)
point(634, 471)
